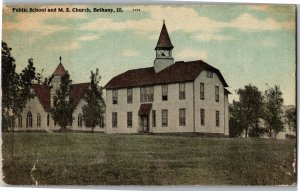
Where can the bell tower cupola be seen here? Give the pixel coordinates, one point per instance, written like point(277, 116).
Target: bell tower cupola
point(56, 79)
point(163, 50)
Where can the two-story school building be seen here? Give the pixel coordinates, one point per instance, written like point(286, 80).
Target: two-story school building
point(170, 97)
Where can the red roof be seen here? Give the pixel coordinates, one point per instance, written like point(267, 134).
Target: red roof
point(60, 70)
point(178, 72)
point(164, 40)
point(43, 93)
point(145, 108)
point(77, 92)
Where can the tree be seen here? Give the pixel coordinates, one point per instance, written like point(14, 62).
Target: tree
point(62, 108)
point(235, 123)
point(95, 105)
point(10, 87)
point(291, 118)
point(15, 87)
point(248, 110)
point(28, 76)
point(273, 110)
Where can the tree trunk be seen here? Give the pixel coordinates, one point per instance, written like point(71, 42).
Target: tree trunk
point(63, 128)
point(12, 146)
point(246, 133)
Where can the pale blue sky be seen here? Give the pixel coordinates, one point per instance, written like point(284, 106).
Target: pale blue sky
point(247, 43)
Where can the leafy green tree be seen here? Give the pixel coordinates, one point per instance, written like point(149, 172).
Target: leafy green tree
point(273, 111)
point(62, 108)
point(15, 87)
point(248, 110)
point(291, 118)
point(95, 105)
point(28, 76)
point(235, 123)
point(257, 132)
point(10, 87)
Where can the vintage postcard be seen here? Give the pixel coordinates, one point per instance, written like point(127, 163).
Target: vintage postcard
point(198, 94)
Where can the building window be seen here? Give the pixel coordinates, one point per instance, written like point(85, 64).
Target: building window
point(38, 120)
point(202, 116)
point(129, 95)
point(54, 123)
point(114, 119)
point(209, 74)
point(181, 91)
point(19, 121)
point(181, 117)
point(147, 94)
point(164, 114)
point(79, 121)
point(201, 90)
point(115, 96)
point(217, 118)
point(217, 93)
point(164, 92)
point(71, 120)
point(29, 119)
point(101, 121)
point(48, 119)
point(129, 119)
point(153, 118)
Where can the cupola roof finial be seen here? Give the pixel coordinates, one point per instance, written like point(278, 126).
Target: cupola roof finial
point(164, 41)
point(60, 59)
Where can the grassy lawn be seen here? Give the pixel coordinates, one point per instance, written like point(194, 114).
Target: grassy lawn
point(86, 158)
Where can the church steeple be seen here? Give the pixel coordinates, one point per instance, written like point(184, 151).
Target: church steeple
point(163, 50)
point(164, 41)
point(60, 70)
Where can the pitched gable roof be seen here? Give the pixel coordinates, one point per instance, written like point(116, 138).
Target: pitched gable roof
point(77, 92)
point(60, 70)
point(43, 94)
point(226, 91)
point(178, 72)
point(164, 40)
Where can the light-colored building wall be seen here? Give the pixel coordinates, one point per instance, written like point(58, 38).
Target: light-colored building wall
point(209, 104)
point(34, 106)
point(75, 126)
point(226, 111)
point(122, 107)
point(173, 104)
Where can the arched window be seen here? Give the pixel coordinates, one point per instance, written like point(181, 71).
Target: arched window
point(19, 121)
point(70, 122)
point(101, 122)
point(38, 120)
point(29, 119)
point(80, 120)
point(48, 119)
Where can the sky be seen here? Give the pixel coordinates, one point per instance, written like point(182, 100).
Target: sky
point(247, 43)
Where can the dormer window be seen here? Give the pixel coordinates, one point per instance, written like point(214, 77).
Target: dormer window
point(209, 74)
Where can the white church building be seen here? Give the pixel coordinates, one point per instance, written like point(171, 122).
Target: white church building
point(36, 116)
point(170, 97)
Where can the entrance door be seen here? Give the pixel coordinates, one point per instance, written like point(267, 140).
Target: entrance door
point(145, 123)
